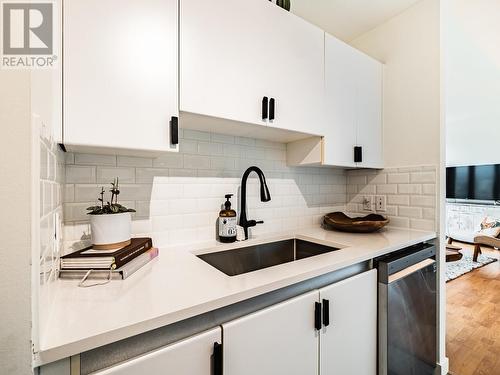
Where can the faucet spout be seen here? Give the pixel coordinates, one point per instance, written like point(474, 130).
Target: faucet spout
point(265, 196)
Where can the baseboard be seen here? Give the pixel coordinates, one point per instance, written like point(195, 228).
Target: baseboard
point(443, 368)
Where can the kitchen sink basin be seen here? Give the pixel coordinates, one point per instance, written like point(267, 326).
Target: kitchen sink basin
point(253, 258)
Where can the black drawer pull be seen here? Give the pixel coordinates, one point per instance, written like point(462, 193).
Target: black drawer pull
point(358, 154)
point(317, 316)
point(217, 359)
point(326, 312)
point(272, 103)
point(265, 106)
point(174, 130)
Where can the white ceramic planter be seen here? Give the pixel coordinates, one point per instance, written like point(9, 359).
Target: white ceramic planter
point(111, 231)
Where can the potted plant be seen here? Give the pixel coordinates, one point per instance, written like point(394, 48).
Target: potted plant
point(110, 222)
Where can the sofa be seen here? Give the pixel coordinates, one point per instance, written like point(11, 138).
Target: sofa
point(487, 235)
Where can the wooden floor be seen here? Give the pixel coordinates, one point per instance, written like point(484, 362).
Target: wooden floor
point(473, 319)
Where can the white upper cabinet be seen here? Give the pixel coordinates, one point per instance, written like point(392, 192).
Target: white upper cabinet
point(369, 112)
point(294, 71)
point(353, 107)
point(192, 356)
point(340, 97)
point(279, 340)
point(120, 73)
point(348, 340)
point(235, 53)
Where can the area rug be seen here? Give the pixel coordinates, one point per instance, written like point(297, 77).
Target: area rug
point(466, 265)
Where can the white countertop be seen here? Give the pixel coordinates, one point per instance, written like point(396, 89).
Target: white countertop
point(178, 285)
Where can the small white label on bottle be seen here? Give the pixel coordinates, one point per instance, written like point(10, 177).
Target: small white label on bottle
point(227, 226)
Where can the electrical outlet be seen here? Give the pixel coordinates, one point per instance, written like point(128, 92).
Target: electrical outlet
point(368, 203)
point(381, 203)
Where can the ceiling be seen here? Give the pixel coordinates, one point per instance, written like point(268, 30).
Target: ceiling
point(348, 19)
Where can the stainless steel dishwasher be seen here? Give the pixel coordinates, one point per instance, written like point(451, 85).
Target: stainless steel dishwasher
point(408, 311)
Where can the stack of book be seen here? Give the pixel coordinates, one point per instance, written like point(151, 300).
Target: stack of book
point(114, 264)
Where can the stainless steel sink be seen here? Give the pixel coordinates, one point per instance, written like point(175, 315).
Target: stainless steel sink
point(253, 258)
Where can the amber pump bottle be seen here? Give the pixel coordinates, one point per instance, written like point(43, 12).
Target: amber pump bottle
point(227, 222)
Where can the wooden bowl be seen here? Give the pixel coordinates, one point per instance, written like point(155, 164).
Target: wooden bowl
point(341, 222)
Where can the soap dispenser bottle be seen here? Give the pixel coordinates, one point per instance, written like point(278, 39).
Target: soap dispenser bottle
point(227, 222)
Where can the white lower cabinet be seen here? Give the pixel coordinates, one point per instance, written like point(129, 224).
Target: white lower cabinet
point(192, 356)
point(290, 339)
point(330, 331)
point(349, 342)
point(278, 340)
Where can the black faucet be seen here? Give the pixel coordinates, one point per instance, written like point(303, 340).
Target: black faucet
point(264, 197)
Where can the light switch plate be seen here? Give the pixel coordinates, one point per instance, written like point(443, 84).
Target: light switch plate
point(381, 203)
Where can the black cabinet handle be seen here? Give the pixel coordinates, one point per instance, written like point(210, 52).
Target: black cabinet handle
point(326, 312)
point(265, 106)
point(174, 130)
point(317, 316)
point(272, 103)
point(358, 154)
point(217, 359)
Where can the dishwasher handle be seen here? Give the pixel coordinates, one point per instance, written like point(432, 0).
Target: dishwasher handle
point(408, 271)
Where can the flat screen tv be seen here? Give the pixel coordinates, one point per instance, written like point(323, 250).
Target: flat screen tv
point(475, 182)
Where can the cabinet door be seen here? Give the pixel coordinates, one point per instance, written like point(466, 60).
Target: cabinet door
point(280, 340)
point(369, 111)
point(120, 73)
point(223, 58)
point(188, 357)
point(233, 53)
point(349, 343)
point(294, 71)
point(340, 96)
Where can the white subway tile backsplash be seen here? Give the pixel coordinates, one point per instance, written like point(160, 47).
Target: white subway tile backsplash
point(196, 162)
point(410, 194)
point(410, 189)
point(81, 174)
point(377, 179)
point(245, 141)
point(429, 189)
point(165, 191)
point(429, 213)
point(148, 175)
point(52, 195)
point(398, 178)
point(399, 221)
point(354, 179)
point(387, 189)
point(91, 159)
point(138, 192)
point(208, 148)
point(196, 135)
point(178, 195)
point(231, 150)
point(169, 160)
point(222, 162)
point(85, 193)
point(188, 147)
point(398, 200)
point(106, 175)
point(414, 212)
point(423, 177)
point(221, 138)
point(423, 201)
point(129, 161)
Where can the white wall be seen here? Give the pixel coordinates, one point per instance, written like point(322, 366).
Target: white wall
point(15, 222)
point(472, 68)
point(409, 46)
